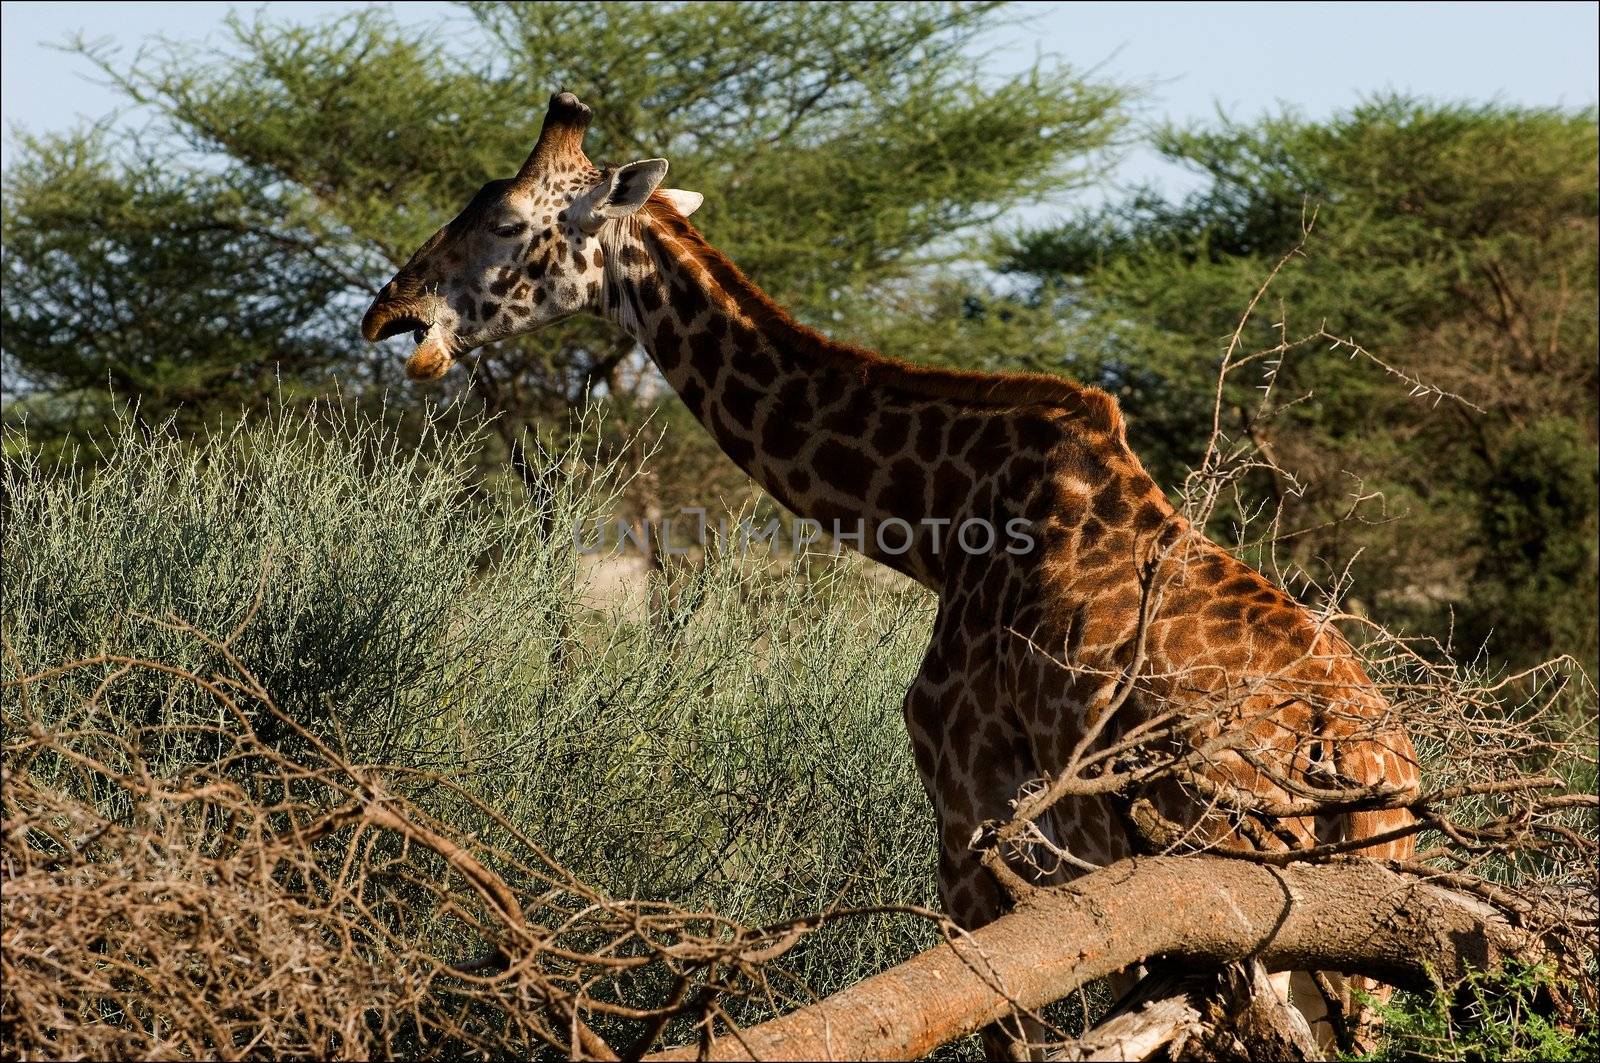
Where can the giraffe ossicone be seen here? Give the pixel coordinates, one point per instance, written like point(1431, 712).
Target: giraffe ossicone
point(1123, 620)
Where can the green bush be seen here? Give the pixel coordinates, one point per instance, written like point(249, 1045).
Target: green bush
point(739, 749)
point(1494, 1017)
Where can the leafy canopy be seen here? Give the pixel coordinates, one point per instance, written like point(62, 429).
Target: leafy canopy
point(840, 148)
point(1457, 244)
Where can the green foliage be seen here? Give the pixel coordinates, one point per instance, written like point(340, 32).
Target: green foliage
point(1537, 513)
point(840, 147)
point(1456, 244)
point(343, 554)
point(1499, 1016)
point(741, 750)
point(168, 288)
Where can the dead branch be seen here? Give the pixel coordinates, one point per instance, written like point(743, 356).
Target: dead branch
point(1352, 917)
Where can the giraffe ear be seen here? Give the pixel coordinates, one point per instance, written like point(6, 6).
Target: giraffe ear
point(685, 203)
point(622, 191)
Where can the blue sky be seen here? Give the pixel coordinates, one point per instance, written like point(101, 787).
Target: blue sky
point(1245, 58)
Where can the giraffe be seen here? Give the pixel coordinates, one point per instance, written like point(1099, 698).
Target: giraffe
point(1075, 604)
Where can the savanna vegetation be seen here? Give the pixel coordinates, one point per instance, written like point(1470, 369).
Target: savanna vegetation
point(741, 754)
point(254, 579)
point(1456, 243)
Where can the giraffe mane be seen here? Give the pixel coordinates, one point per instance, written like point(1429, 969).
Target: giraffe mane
point(960, 386)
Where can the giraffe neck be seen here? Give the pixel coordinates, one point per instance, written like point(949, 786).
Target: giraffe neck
point(799, 414)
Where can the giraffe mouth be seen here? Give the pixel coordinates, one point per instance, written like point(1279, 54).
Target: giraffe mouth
point(435, 348)
point(432, 357)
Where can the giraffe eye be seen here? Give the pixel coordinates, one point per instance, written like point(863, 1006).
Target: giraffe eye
point(513, 228)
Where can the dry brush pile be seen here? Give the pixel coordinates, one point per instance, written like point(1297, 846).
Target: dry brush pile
point(284, 904)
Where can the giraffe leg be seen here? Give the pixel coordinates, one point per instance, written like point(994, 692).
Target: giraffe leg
point(972, 762)
point(1347, 1023)
point(972, 898)
point(1306, 996)
point(1338, 1007)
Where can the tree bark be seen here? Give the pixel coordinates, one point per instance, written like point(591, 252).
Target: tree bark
point(1351, 916)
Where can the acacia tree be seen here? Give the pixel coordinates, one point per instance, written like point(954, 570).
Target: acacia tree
point(174, 290)
point(841, 148)
point(1454, 243)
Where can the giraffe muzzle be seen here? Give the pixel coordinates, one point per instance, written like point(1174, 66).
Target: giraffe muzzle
point(433, 357)
point(434, 353)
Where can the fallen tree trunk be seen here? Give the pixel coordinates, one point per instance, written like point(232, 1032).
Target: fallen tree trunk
point(1351, 916)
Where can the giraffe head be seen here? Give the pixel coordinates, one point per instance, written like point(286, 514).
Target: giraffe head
point(523, 253)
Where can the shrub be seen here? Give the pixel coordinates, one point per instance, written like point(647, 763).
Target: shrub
point(1500, 1016)
point(739, 750)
